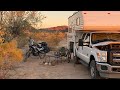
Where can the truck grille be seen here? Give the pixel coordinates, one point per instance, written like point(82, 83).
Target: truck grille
point(115, 46)
point(116, 69)
point(114, 54)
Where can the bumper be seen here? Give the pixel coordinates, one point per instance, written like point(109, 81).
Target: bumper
point(109, 71)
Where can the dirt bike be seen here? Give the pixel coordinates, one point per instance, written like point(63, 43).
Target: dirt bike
point(46, 49)
point(35, 50)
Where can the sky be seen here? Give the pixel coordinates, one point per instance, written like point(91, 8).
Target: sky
point(55, 18)
point(96, 18)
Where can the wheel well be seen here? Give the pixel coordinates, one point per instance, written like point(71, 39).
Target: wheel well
point(91, 58)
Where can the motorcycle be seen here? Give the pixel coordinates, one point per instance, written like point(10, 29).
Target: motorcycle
point(43, 45)
point(39, 49)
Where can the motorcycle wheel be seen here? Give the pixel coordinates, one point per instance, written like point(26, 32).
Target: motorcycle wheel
point(27, 55)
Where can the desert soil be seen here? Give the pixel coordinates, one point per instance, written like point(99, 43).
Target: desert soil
point(32, 69)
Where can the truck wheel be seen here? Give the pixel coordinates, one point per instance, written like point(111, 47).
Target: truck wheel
point(93, 71)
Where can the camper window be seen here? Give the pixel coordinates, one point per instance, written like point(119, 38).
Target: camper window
point(78, 21)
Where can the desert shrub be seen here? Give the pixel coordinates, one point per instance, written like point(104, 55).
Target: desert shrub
point(52, 39)
point(9, 55)
point(1, 36)
point(22, 41)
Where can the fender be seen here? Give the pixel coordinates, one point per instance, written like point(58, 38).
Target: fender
point(94, 55)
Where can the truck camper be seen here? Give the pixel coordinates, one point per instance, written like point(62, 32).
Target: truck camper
point(94, 39)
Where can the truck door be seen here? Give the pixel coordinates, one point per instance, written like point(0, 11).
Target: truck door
point(79, 51)
point(86, 49)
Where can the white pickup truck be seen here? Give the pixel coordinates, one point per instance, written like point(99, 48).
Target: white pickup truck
point(96, 46)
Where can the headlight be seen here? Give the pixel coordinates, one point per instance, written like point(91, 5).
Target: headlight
point(102, 56)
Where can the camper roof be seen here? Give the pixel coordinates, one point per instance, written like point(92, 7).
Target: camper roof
point(100, 20)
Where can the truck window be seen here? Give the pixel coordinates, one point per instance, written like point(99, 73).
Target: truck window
point(87, 39)
point(87, 36)
point(83, 35)
point(103, 37)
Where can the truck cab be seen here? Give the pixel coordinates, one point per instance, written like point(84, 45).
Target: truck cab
point(97, 48)
point(102, 49)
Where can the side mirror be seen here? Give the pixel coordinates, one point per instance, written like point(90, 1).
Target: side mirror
point(80, 43)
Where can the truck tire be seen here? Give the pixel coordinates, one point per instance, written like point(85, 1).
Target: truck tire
point(93, 71)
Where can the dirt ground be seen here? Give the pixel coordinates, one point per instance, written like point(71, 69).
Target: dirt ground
point(32, 69)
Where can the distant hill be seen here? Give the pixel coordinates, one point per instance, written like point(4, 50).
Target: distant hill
point(51, 29)
point(57, 28)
